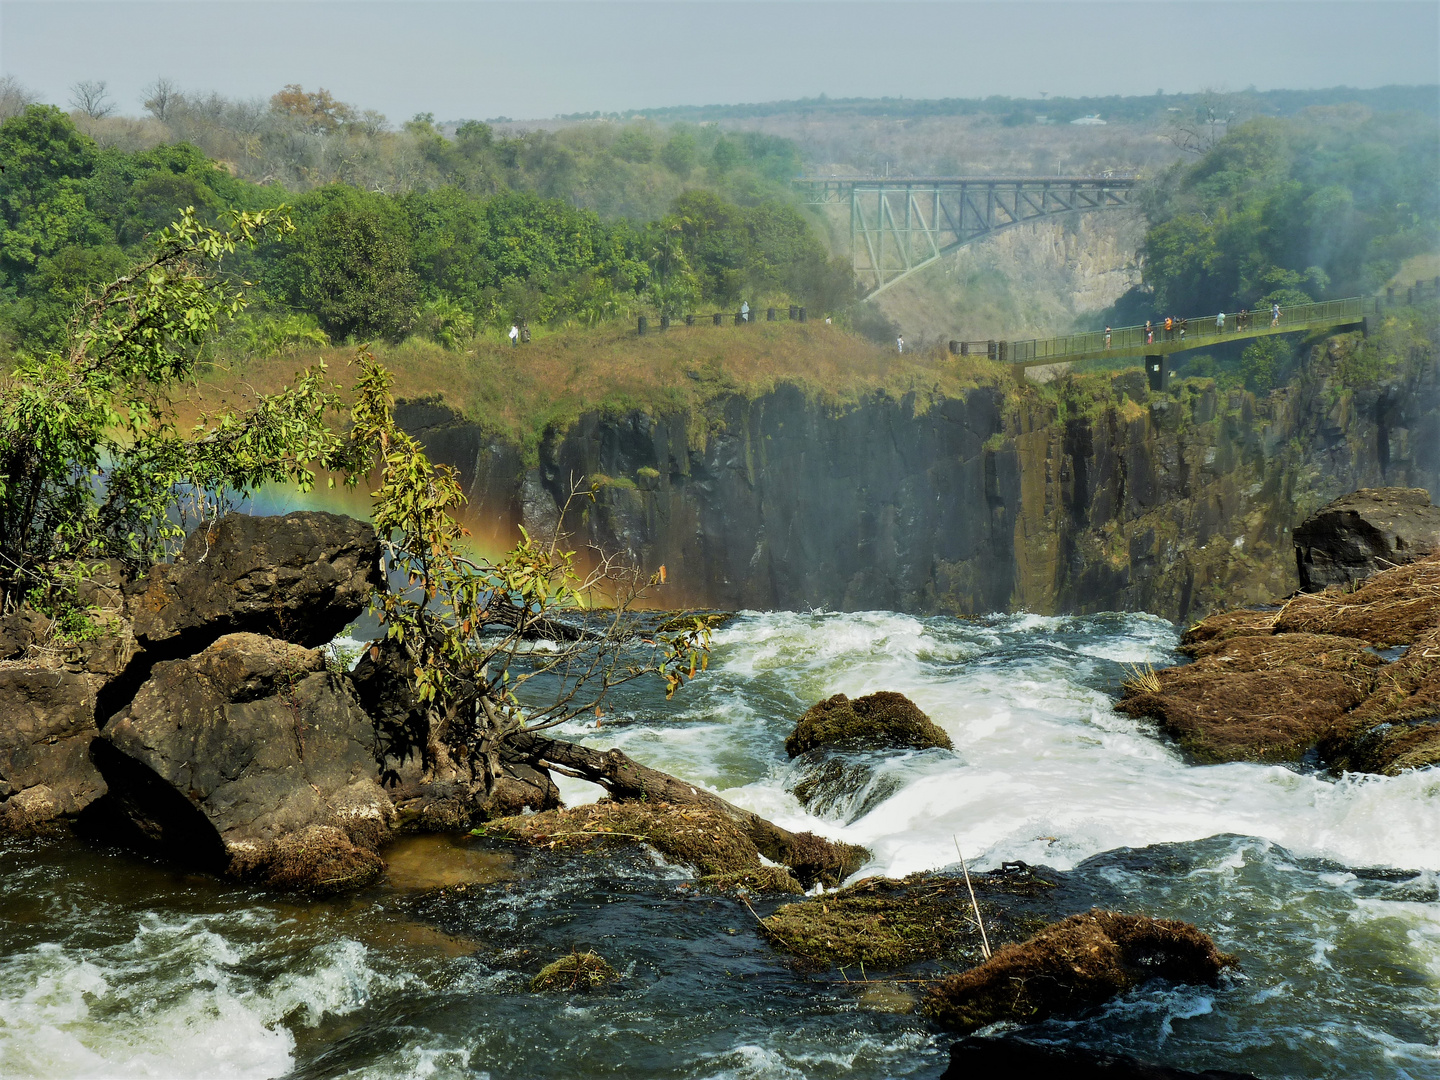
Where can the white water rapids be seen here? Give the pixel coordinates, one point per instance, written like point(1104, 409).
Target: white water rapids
point(1325, 887)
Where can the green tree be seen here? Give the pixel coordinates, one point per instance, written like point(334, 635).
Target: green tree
point(92, 461)
point(349, 264)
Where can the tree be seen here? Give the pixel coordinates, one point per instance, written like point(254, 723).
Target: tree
point(90, 97)
point(316, 112)
point(92, 461)
point(162, 97)
point(14, 97)
point(1198, 129)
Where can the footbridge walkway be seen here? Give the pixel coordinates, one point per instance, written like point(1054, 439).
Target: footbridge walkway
point(899, 225)
point(1154, 342)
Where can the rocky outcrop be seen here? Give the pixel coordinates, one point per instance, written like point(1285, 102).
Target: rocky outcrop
point(1075, 964)
point(982, 1058)
point(711, 842)
point(1351, 675)
point(251, 759)
point(1091, 494)
point(299, 577)
point(883, 720)
point(1369, 530)
point(47, 722)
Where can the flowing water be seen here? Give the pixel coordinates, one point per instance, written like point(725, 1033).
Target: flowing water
point(1325, 888)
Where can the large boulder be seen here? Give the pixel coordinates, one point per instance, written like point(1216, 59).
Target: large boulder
point(430, 789)
point(882, 720)
point(47, 721)
point(1072, 965)
point(1364, 532)
point(298, 577)
point(251, 759)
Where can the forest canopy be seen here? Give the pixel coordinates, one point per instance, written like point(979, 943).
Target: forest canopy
point(495, 233)
point(1323, 205)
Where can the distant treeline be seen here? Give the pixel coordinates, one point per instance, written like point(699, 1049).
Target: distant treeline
point(1155, 107)
point(474, 248)
point(305, 139)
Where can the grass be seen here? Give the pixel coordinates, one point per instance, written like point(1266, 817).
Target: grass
point(515, 394)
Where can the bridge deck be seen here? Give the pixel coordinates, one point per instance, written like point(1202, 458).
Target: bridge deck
point(1200, 332)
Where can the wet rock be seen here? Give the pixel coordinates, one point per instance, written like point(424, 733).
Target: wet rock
point(1077, 963)
point(981, 1059)
point(842, 785)
point(47, 722)
point(578, 971)
point(875, 721)
point(886, 924)
point(1362, 533)
point(251, 760)
point(431, 791)
point(695, 835)
point(299, 577)
point(1394, 607)
point(1257, 698)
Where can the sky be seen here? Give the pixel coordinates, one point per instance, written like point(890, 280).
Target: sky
point(537, 59)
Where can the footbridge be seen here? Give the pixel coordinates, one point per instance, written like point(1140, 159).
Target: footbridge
point(1154, 342)
point(899, 225)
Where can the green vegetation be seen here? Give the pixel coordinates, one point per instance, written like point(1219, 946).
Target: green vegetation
point(1288, 211)
point(479, 241)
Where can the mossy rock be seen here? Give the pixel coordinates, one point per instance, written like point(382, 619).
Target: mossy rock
point(876, 721)
point(1072, 965)
point(886, 924)
point(577, 971)
point(765, 879)
point(693, 835)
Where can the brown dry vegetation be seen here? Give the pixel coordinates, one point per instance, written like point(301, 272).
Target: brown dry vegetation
point(1074, 964)
point(1270, 685)
point(886, 924)
point(515, 393)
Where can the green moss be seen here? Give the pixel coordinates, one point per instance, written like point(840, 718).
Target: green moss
point(883, 719)
point(764, 879)
point(645, 472)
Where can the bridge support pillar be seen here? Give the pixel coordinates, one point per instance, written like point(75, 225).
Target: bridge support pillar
point(1155, 372)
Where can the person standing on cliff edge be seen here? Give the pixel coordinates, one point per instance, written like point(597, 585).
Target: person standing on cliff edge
point(900, 344)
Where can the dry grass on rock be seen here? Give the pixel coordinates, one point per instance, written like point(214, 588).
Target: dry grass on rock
point(578, 971)
point(1259, 698)
point(886, 924)
point(1074, 964)
point(1395, 607)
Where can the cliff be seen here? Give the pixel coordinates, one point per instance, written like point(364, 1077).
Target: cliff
point(1086, 494)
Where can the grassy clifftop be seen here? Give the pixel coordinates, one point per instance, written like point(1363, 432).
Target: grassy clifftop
point(515, 393)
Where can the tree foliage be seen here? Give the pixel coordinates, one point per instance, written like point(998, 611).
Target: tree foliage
point(92, 460)
point(1288, 211)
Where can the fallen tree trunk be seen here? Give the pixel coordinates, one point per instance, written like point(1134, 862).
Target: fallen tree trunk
point(626, 780)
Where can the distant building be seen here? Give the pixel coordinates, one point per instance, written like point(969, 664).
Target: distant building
point(1093, 118)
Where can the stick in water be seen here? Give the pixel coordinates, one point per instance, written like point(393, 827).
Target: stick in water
point(984, 940)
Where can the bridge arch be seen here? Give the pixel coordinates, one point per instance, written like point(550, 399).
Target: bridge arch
point(899, 226)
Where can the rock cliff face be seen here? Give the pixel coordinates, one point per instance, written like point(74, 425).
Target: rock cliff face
point(1084, 495)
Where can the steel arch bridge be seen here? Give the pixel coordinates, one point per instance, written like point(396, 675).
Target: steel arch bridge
point(899, 225)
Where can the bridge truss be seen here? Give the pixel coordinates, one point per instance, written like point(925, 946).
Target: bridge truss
point(898, 226)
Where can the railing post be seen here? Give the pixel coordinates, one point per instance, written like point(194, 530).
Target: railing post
point(641, 326)
point(719, 318)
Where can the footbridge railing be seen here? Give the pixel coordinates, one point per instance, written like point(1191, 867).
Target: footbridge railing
point(1154, 341)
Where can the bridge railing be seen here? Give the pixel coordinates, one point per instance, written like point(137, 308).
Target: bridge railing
point(1191, 330)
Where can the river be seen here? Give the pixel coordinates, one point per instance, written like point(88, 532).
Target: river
point(1325, 888)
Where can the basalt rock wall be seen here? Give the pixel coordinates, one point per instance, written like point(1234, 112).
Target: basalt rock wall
point(1084, 495)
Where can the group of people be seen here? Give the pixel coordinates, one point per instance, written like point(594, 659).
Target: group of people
point(519, 332)
point(1173, 329)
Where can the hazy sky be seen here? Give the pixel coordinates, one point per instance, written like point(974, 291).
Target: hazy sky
point(527, 60)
